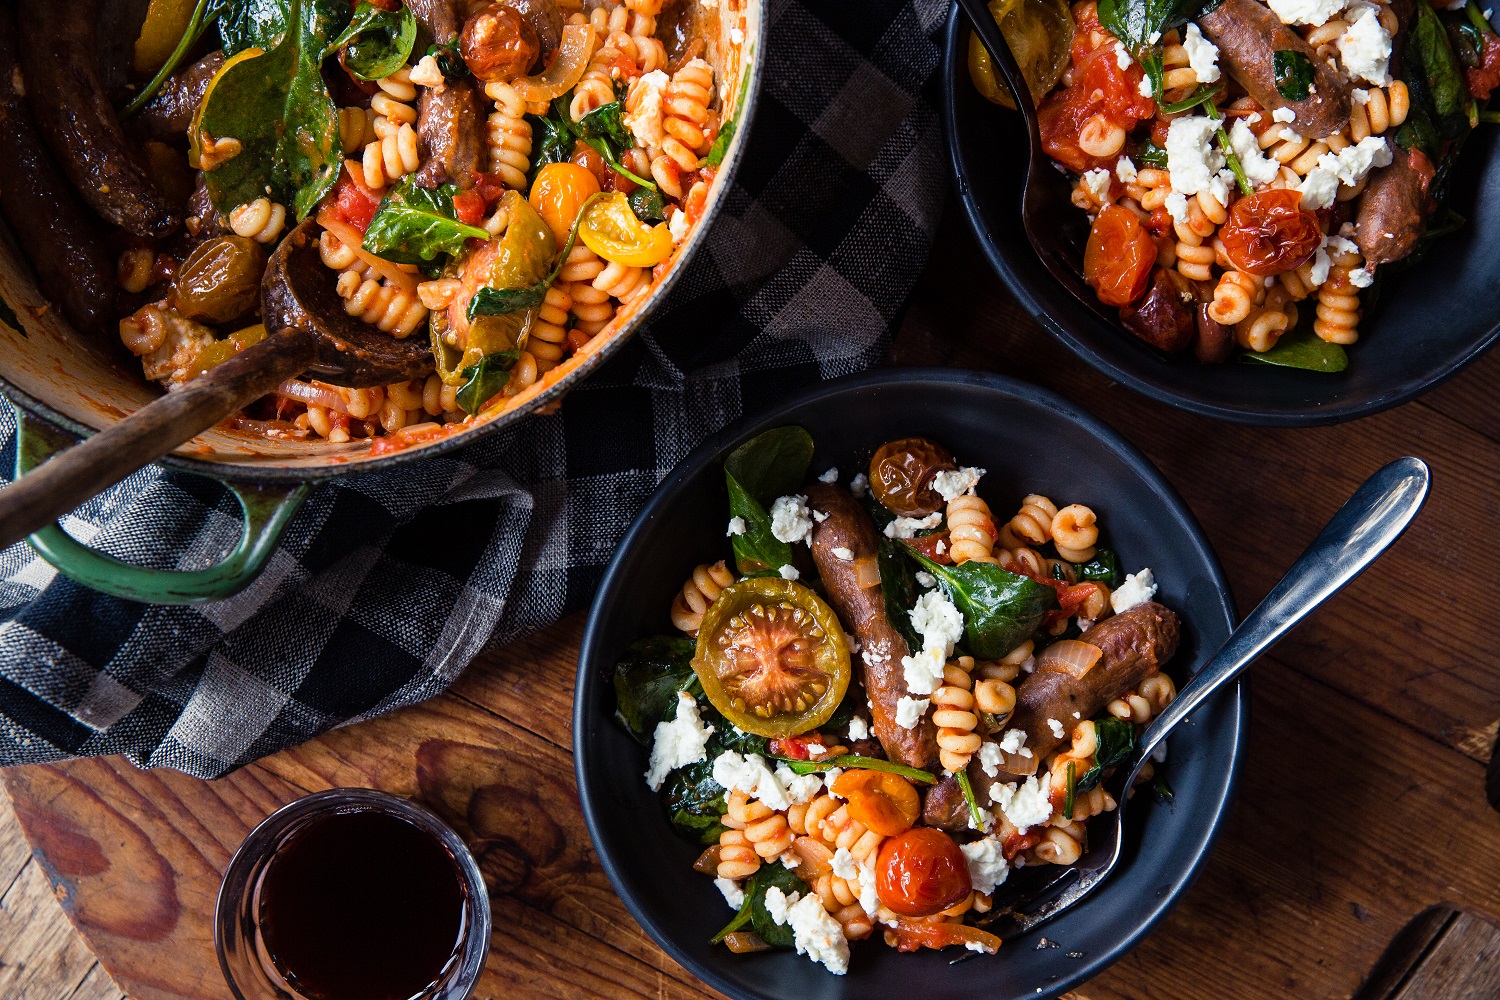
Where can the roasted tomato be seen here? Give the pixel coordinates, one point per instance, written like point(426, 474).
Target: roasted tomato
point(933, 546)
point(220, 281)
point(1484, 77)
point(1269, 233)
point(610, 229)
point(1101, 93)
point(901, 475)
point(771, 657)
point(558, 193)
point(884, 802)
point(1119, 256)
point(498, 43)
point(912, 935)
point(921, 872)
point(1039, 35)
point(355, 203)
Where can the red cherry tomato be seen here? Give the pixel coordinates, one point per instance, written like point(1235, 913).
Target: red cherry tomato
point(469, 207)
point(1118, 259)
point(933, 546)
point(355, 203)
point(1485, 77)
point(921, 872)
point(1268, 233)
point(1100, 87)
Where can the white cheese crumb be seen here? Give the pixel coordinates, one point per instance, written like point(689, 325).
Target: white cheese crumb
point(736, 36)
point(1313, 12)
point(859, 485)
point(1025, 805)
point(1318, 188)
point(1125, 170)
point(907, 527)
point(736, 527)
point(986, 820)
point(1365, 49)
point(1284, 115)
point(1144, 87)
point(859, 729)
point(1056, 727)
point(925, 579)
point(1259, 168)
point(1341, 243)
point(962, 481)
point(1361, 277)
point(1013, 740)
point(678, 226)
point(940, 625)
point(679, 742)
point(1160, 753)
point(1154, 37)
point(1176, 205)
point(909, 711)
point(791, 521)
point(1138, 588)
point(987, 865)
point(842, 553)
point(819, 516)
point(941, 547)
point(647, 95)
point(1096, 183)
point(1321, 265)
point(923, 670)
point(1352, 163)
point(749, 774)
point(816, 934)
point(843, 864)
point(831, 476)
point(1203, 55)
point(1359, 96)
point(1192, 157)
point(733, 894)
point(800, 788)
point(789, 572)
point(816, 749)
point(990, 757)
point(427, 73)
point(1122, 57)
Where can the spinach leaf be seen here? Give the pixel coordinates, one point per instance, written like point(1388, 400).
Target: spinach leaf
point(262, 24)
point(1001, 609)
point(695, 801)
point(485, 378)
point(607, 123)
point(1302, 349)
point(647, 680)
point(774, 934)
point(602, 130)
point(720, 148)
point(1162, 788)
point(490, 301)
point(1152, 155)
point(1293, 72)
point(647, 205)
point(898, 586)
point(728, 736)
point(1439, 97)
point(867, 763)
point(449, 60)
point(1116, 742)
point(757, 552)
point(552, 140)
point(414, 224)
point(772, 464)
point(1103, 568)
point(377, 42)
point(741, 918)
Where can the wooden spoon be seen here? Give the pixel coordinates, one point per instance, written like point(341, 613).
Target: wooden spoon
point(314, 335)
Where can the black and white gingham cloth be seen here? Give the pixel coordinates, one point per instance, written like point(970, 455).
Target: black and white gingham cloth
point(388, 584)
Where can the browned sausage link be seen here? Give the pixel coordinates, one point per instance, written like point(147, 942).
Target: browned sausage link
point(1404, 10)
point(449, 126)
point(170, 114)
point(60, 237)
point(848, 526)
point(1392, 212)
point(1248, 35)
point(73, 113)
point(441, 20)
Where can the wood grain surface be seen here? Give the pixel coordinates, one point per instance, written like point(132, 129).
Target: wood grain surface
point(1362, 801)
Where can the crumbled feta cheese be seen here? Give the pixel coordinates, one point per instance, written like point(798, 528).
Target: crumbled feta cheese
point(789, 572)
point(749, 774)
point(1288, 134)
point(1138, 588)
point(987, 864)
point(736, 527)
point(679, 742)
point(1320, 267)
point(427, 73)
point(1025, 805)
point(647, 94)
point(1153, 38)
point(909, 711)
point(1284, 115)
point(1192, 157)
point(777, 904)
point(816, 934)
point(1144, 87)
point(678, 226)
point(907, 527)
point(859, 729)
point(1203, 55)
point(1352, 163)
point(1259, 168)
point(1160, 753)
point(1253, 118)
point(1122, 56)
point(1176, 205)
point(877, 655)
point(986, 820)
point(923, 670)
point(1365, 49)
point(840, 552)
point(733, 894)
point(1056, 727)
point(1318, 189)
point(1361, 277)
point(1013, 740)
point(1096, 183)
point(791, 521)
point(938, 622)
point(869, 896)
point(816, 749)
point(1359, 96)
point(990, 757)
point(1220, 184)
point(830, 776)
point(940, 548)
point(1125, 170)
point(819, 516)
point(843, 864)
point(962, 481)
point(800, 788)
point(859, 485)
point(1313, 12)
point(831, 476)
point(736, 36)
point(925, 579)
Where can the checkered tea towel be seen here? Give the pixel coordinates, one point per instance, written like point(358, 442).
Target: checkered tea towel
point(387, 584)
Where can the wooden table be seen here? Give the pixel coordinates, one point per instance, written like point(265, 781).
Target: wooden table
point(1362, 800)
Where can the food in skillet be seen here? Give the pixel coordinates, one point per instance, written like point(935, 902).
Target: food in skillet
point(884, 702)
point(1250, 167)
point(490, 184)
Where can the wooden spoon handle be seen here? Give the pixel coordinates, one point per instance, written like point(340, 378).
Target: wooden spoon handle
point(73, 476)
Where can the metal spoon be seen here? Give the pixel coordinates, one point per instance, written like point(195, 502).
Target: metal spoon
point(1368, 523)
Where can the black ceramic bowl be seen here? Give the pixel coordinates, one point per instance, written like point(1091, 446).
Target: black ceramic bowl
point(1028, 439)
point(1431, 319)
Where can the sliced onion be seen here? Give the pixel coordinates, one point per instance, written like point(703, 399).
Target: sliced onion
point(312, 395)
point(866, 572)
point(352, 238)
point(566, 70)
point(1072, 656)
point(744, 942)
point(708, 861)
point(814, 859)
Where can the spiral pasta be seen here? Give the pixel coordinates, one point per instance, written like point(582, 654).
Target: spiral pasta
point(548, 337)
point(260, 220)
point(394, 310)
point(622, 281)
point(1382, 109)
point(953, 714)
point(508, 136)
point(394, 152)
point(766, 831)
point(971, 530)
point(1074, 532)
point(685, 123)
point(698, 595)
point(613, 59)
point(737, 857)
point(1338, 301)
point(356, 129)
point(1033, 521)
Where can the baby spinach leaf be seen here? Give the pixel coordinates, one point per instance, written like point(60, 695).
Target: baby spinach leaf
point(607, 123)
point(1139, 25)
point(647, 680)
point(1103, 568)
point(1152, 155)
point(740, 920)
point(1001, 609)
point(1116, 743)
point(772, 464)
point(774, 934)
point(647, 205)
point(695, 801)
point(415, 224)
point(720, 148)
point(1304, 350)
point(699, 829)
point(262, 24)
point(1439, 97)
point(728, 736)
point(490, 301)
point(484, 379)
point(1293, 72)
point(867, 763)
point(377, 42)
point(757, 552)
point(898, 586)
point(552, 141)
point(449, 60)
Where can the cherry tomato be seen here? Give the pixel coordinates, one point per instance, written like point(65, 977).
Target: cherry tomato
point(498, 43)
point(795, 747)
point(884, 802)
point(933, 546)
point(901, 474)
point(1040, 36)
point(469, 207)
point(355, 203)
point(612, 231)
point(1100, 87)
point(557, 194)
point(912, 935)
point(771, 657)
point(1483, 78)
point(1118, 259)
point(1268, 233)
point(585, 156)
point(921, 872)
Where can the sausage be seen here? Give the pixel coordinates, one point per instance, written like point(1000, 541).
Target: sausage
point(1135, 644)
point(448, 119)
point(1248, 35)
point(61, 238)
point(1161, 319)
point(849, 526)
point(170, 114)
point(1215, 342)
point(73, 113)
point(1393, 210)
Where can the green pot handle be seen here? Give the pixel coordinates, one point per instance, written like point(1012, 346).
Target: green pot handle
point(267, 511)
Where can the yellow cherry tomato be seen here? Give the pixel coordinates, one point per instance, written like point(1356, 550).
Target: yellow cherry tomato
point(612, 231)
point(166, 21)
point(559, 191)
point(1039, 32)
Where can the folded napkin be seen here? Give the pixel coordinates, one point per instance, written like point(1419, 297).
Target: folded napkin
point(387, 584)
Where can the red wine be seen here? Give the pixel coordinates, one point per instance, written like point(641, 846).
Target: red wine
point(362, 906)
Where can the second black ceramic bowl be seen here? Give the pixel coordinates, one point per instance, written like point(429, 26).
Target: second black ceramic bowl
point(1431, 320)
point(1029, 440)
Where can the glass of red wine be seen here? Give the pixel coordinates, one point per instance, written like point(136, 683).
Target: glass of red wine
point(352, 894)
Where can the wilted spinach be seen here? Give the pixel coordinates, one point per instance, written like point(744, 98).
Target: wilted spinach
point(1440, 105)
point(1139, 25)
point(757, 552)
point(695, 801)
point(1302, 349)
point(647, 205)
point(484, 378)
point(504, 301)
point(1001, 609)
point(772, 464)
point(647, 680)
point(1103, 568)
point(602, 130)
point(1116, 743)
point(416, 225)
point(774, 934)
point(1293, 72)
point(377, 42)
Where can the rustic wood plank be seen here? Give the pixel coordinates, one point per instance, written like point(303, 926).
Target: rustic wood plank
point(96, 985)
point(1469, 397)
point(56, 959)
point(1405, 952)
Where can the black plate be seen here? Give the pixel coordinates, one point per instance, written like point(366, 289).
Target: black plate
point(1431, 320)
point(1029, 439)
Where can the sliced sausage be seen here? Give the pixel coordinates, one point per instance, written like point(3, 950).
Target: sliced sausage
point(448, 119)
point(849, 526)
point(75, 116)
point(61, 238)
point(1393, 209)
point(170, 114)
point(1214, 342)
point(1248, 35)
